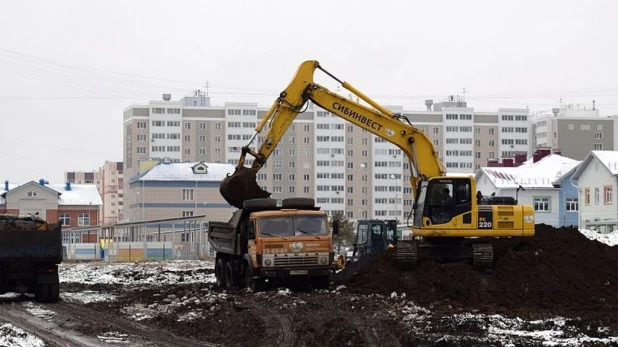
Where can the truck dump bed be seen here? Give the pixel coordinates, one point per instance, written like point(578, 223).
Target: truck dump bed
point(30, 251)
point(222, 235)
point(29, 238)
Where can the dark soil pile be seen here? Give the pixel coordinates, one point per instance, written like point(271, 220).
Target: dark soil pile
point(558, 271)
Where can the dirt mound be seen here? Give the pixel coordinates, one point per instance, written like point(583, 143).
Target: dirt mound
point(559, 270)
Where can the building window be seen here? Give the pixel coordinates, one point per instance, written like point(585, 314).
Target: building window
point(587, 196)
point(83, 219)
point(541, 204)
point(608, 194)
point(598, 147)
point(187, 194)
point(187, 213)
point(572, 205)
point(32, 194)
point(65, 218)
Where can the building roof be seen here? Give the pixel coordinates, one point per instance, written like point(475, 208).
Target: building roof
point(185, 172)
point(609, 159)
point(542, 174)
point(80, 194)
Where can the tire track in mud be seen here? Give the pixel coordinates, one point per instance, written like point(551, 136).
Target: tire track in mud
point(158, 336)
point(373, 334)
point(281, 327)
point(47, 331)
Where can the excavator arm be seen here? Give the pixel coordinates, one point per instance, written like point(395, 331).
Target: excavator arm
point(424, 161)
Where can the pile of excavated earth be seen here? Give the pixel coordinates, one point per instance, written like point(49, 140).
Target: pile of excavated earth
point(559, 271)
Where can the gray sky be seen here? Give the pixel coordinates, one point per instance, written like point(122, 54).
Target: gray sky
point(69, 68)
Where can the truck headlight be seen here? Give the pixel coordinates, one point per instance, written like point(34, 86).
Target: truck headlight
point(529, 219)
point(323, 260)
point(268, 262)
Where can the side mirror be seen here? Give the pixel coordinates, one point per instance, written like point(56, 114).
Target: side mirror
point(335, 226)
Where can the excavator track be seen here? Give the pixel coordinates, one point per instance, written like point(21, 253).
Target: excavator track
point(406, 255)
point(482, 256)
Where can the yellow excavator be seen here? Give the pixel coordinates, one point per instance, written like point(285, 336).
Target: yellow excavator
point(450, 220)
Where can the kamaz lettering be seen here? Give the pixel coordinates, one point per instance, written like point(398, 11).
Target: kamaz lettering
point(357, 116)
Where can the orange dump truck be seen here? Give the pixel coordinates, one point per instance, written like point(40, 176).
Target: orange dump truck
point(265, 243)
point(30, 251)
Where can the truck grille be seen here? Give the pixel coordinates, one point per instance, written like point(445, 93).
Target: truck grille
point(296, 261)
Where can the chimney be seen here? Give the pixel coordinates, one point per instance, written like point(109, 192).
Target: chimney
point(43, 182)
point(6, 185)
point(540, 154)
point(68, 185)
point(594, 105)
point(520, 158)
point(428, 103)
point(492, 163)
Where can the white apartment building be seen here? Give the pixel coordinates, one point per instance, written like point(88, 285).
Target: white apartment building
point(322, 156)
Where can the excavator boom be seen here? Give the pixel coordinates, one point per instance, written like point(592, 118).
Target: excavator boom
point(242, 184)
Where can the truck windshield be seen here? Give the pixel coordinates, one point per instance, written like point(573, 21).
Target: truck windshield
point(299, 225)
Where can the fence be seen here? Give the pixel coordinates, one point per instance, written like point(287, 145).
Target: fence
point(178, 238)
point(136, 251)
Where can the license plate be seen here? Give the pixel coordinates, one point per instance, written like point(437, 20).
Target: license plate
point(298, 272)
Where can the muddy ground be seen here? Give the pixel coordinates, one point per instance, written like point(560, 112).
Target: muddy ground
point(558, 283)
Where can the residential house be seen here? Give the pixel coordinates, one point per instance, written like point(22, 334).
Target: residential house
point(75, 205)
point(596, 179)
point(539, 181)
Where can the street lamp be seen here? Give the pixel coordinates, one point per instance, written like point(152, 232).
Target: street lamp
point(366, 193)
point(396, 195)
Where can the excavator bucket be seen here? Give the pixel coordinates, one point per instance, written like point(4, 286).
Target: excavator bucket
point(241, 186)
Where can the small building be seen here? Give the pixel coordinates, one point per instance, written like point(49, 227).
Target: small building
point(539, 181)
point(596, 179)
point(75, 205)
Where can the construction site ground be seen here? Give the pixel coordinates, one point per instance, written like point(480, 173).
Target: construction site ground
point(556, 289)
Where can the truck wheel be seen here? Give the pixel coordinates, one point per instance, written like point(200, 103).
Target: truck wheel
point(298, 203)
point(229, 275)
point(43, 293)
point(220, 272)
point(54, 292)
point(256, 284)
point(260, 204)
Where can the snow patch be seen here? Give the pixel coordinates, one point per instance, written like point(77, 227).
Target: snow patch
point(86, 296)
point(12, 336)
point(39, 311)
point(610, 239)
point(114, 337)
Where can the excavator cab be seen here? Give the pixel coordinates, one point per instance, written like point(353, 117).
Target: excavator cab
point(443, 199)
